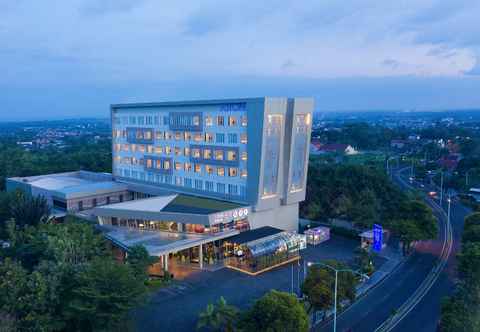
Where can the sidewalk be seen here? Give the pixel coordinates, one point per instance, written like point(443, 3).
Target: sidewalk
point(394, 257)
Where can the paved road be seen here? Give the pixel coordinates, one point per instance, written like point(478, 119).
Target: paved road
point(379, 304)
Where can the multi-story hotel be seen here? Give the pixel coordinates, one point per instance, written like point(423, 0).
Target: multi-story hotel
point(218, 177)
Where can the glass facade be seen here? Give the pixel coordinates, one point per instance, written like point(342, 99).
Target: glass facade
point(271, 159)
point(193, 147)
point(301, 125)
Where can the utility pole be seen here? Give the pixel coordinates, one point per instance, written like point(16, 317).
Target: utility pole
point(441, 187)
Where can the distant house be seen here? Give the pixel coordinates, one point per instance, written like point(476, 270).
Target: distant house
point(320, 148)
point(398, 143)
point(450, 161)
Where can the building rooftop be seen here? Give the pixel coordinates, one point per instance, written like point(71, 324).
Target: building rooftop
point(254, 234)
point(177, 207)
point(73, 184)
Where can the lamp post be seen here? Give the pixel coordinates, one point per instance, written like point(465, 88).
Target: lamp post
point(441, 188)
point(449, 200)
point(336, 286)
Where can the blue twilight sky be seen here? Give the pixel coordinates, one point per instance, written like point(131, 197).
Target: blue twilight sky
point(73, 58)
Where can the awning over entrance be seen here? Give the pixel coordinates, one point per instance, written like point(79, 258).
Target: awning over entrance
point(177, 208)
point(271, 244)
point(159, 243)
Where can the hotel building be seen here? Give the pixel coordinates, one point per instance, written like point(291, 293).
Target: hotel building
point(201, 172)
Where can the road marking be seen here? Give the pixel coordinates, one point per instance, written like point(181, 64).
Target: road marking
point(430, 280)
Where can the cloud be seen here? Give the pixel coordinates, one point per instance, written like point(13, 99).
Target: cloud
point(475, 70)
point(111, 43)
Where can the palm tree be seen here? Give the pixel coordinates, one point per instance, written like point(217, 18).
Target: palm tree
point(219, 317)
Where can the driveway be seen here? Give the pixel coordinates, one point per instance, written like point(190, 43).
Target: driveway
point(176, 308)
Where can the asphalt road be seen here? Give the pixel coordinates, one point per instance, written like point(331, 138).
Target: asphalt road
point(380, 303)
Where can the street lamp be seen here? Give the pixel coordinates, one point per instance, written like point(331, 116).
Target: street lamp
point(309, 264)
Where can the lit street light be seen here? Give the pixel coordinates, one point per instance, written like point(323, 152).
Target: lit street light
point(336, 284)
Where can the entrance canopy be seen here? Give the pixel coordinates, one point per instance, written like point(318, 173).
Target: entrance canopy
point(177, 208)
point(159, 243)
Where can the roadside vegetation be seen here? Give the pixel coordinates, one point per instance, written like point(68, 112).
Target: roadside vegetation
point(461, 311)
point(365, 196)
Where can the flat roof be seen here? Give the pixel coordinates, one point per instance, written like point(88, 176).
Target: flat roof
point(159, 243)
point(254, 234)
point(190, 102)
point(70, 185)
point(177, 207)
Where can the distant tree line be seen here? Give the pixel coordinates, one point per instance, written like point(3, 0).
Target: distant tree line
point(79, 155)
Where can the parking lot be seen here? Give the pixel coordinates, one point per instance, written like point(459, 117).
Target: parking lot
point(177, 306)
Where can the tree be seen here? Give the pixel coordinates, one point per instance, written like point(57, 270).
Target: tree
point(320, 283)
point(29, 300)
point(416, 223)
point(471, 230)
point(140, 260)
point(29, 210)
point(276, 312)
point(220, 317)
point(104, 293)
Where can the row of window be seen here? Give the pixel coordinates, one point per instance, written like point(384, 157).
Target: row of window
point(218, 187)
point(219, 120)
point(232, 138)
point(187, 167)
point(206, 153)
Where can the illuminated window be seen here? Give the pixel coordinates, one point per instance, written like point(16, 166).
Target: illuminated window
point(220, 171)
point(196, 120)
point(159, 135)
point(188, 136)
point(166, 164)
point(135, 161)
point(232, 171)
point(168, 149)
point(188, 167)
point(150, 148)
point(186, 152)
point(218, 154)
point(177, 151)
point(159, 149)
point(198, 168)
point(208, 137)
point(207, 154)
point(158, 164)
point(126, 147)
point(141, 148)
point(196, 153)
point(178, 136)
point(231, 155)
point(178, 166)
point(244, 120)
point(149, 163)
point(209, 169)
point(220, 120)
point(198, 137)
point(147, 134)
point(243, 173)
point(133, 147)
point(244, 156)
point(168, 135)
point(118, 147)
point(232, 121)
point(243, 138)
point(178, 180)
point(208, 121)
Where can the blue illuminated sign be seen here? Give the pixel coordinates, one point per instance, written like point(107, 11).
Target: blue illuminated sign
point(377, 237)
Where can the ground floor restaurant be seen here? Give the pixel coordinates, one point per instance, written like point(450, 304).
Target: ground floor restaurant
point(252, 252)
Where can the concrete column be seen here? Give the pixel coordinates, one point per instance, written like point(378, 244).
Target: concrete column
point(180, 227)
point(200, 256)
point(165, 262)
